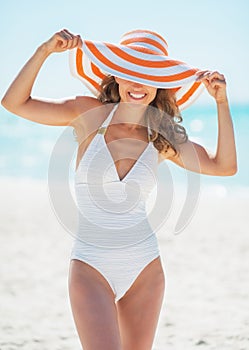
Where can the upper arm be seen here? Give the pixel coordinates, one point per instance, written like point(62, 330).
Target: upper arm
point(195, 157)
point(54, 112)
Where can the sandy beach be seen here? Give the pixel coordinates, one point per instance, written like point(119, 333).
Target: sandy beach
point(207, 267)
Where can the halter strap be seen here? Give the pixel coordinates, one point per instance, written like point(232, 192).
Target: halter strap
point(106, 122)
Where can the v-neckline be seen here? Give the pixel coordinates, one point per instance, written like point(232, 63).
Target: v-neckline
point(104, 126)
point(133, 166)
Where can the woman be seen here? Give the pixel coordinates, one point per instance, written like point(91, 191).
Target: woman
point(116, 281)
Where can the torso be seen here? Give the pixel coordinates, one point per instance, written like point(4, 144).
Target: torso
point(119, 139)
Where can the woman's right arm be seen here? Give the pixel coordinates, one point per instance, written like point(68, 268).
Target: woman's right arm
point(18, 98)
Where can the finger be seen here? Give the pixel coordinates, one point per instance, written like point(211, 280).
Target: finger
point(61, 39)
point(66, 34)
point(69, 44)
point(202, 75)
point(216, 75)
point(217, 83)
point(72, 40)
point(205, 82)
point(66, 31)
point(210, 76)
point(72, 43)
point(201, 72)
point(64, 44)
point(79, 42)
point(67, 40)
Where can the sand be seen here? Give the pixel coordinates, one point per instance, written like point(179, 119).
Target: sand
point(207, 267)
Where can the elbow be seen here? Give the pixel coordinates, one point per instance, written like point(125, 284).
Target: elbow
point(6, 104)
point(230, 168)
point(233, 170)
point(3, 102)
point(230, 171)
point(13, 104)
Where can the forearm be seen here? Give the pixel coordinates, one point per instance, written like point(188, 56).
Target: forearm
point(225, 158)
point(20, 90)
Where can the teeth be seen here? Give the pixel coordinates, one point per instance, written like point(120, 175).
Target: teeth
point(136, 95)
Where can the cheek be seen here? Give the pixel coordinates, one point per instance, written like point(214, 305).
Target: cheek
point(121, 91)
point(152, 95)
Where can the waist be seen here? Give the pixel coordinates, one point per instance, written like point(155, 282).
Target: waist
point(138, 248)
point(112, 233)
point(115, 197)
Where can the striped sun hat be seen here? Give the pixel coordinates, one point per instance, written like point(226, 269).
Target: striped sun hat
point(142, 57)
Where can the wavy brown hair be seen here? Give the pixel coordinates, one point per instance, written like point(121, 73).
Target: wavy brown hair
point(163, 119)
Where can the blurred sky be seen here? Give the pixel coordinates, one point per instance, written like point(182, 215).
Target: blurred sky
point(208, 34)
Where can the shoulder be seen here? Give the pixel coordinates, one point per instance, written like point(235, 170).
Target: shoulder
point(81, 106)
point(90, 114)
point(85, 103)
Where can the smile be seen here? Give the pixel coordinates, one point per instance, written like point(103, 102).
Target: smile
point(136, 96)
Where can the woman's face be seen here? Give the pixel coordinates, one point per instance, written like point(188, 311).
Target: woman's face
point(135, 92)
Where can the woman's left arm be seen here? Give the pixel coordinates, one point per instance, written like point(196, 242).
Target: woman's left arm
point(193, 156)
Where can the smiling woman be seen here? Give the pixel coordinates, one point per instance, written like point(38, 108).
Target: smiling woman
point(116, 279)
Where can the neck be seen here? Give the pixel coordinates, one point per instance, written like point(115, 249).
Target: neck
point(130, 114)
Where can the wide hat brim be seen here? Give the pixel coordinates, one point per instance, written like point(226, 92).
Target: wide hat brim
point(94, 60)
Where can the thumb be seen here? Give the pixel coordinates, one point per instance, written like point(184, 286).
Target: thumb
point(80, 42)
point(205, 82)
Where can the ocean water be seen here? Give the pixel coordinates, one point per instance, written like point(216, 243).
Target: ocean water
point(26, 147)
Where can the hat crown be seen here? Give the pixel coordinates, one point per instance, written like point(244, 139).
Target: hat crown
point(145, 40)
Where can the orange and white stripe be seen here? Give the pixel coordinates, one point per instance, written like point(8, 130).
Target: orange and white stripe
point(141, 56)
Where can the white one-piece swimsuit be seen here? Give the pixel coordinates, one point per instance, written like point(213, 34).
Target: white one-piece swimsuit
point(114, 235)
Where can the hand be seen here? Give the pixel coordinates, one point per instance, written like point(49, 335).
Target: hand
point(215, 84)
point(62, 41)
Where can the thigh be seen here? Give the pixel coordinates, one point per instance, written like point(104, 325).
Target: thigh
point(93, 307)
point(139, 309)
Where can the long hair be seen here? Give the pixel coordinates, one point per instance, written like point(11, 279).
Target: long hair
point(162, 115)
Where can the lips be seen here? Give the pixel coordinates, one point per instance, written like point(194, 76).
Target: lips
point(136, 96)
